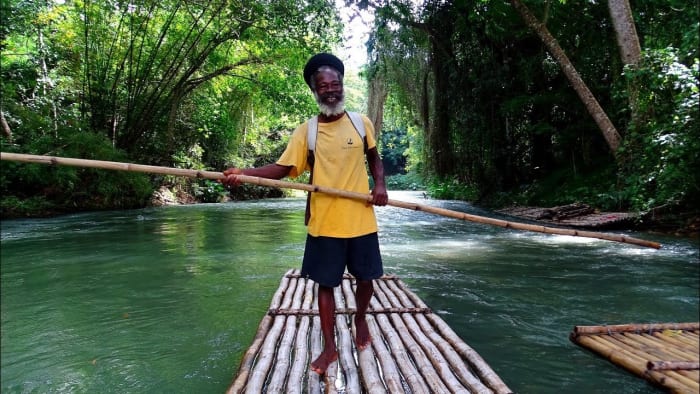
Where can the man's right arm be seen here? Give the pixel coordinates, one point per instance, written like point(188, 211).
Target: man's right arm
point(270, 171)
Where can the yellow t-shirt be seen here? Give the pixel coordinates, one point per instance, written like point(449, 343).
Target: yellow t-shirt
point(339, 163)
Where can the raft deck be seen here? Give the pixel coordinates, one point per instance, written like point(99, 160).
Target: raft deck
point(412, 351)
point(665, 354)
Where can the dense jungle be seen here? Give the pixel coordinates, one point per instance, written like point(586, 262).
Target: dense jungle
point(500, 103)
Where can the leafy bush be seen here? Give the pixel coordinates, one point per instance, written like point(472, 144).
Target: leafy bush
point(452, 189)
point(64, 188)
point(660, 158)
point(404, 182)
point(209, 191)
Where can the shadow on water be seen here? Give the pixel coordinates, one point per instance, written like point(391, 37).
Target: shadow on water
point(168, 299)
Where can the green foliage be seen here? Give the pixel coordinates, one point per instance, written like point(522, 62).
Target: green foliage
point(451, 189)
point(63, 188)
point(499, 123)
point(209, 191)
point(660, 158)
point(410, 181)
point(198, 85)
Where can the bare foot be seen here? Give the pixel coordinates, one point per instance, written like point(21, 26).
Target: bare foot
point(362, 336)
point(323, 361)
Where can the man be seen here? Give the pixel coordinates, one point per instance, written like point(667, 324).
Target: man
point(341, 232)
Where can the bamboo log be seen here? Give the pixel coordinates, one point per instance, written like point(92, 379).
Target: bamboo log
point(403, 360)
point(112, 165)
point(641, 356)
point(437, 358)
point(433, 342)
point(263, 328)
point(282, 362)
point(347, 311)
point(346, 360)
point(315, 342)
point(645, 350)
point(675, 341)
point(691, 337)
point(371, 380)
point(585, 330)
point(389, 368)
point(672, 365)
point(476, 362)
point(629, 361)
point(333, 371)
point(425, 368)
point(301, 360)
point(682, 353)
point(266, 356)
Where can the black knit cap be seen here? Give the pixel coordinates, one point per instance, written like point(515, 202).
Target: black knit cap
point(321, 59)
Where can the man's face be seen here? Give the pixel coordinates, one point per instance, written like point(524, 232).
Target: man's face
point(329, 93)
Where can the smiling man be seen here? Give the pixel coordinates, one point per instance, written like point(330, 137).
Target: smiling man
point(342, 233)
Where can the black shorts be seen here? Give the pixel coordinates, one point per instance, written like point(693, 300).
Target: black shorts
point(325, 259)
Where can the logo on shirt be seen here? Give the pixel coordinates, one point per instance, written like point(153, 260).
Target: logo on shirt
point(350, 142)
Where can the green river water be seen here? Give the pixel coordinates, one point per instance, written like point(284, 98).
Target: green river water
point(167, 300)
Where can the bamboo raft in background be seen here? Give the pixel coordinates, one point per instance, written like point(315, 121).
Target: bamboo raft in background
point(666, 354)
point(412, 350)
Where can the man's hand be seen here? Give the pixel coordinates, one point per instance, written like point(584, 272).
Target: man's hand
point(231, 179)
point(379, 195)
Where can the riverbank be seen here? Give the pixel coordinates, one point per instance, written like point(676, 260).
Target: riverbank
point(660, 221)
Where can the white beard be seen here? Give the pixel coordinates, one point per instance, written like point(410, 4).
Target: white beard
point(330, 110)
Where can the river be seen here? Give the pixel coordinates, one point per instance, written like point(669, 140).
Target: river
point(168, 299)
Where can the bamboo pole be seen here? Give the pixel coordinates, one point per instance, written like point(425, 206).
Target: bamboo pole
point(475, 360)
point(691, 337)
point(392, 381)
point(618, 341)
point(629, 361)
point(346, 360)
point(420, 358)
point(301, 361)
point(282, 363)
point(433, 340)
point(681, 353)
point(371, 382)
point(112, 165)
point(672, 365)
point(263, 328)
point(674, 341)
point(406, 367)
point(315, 344)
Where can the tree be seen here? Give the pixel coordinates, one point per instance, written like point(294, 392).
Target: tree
point(158, 53)
point(197, 84)
point(628, 42)
point(601, 118)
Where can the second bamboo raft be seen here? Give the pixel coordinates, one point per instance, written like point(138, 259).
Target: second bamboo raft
point(666, 354)
point(412, 351)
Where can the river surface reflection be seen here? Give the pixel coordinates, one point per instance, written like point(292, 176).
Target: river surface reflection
point(168, 299)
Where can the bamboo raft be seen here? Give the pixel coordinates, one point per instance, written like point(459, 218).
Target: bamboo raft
point(665, 354)
point(573, 215)
point(412, 350)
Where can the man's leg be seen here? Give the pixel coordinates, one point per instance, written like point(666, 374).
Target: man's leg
point(363, 295)
point(326, 309)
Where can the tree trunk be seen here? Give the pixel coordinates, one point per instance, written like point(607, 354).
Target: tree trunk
point(45, 79)
point(601, 118)
point(5, 127)
point(375, 102)
point(628, 43)
point(625, 31)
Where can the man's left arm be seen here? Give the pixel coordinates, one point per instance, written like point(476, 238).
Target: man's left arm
point(379, 194)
